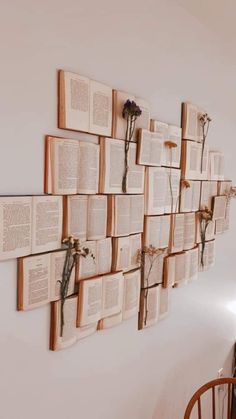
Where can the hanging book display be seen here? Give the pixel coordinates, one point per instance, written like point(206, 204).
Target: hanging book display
point(131, 210)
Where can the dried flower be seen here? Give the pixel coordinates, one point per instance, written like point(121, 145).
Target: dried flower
point(131, 109)
point(204, 118)
point(170, 144)
point(186, 184)
point(73, 254)
point(205, 218)
point(231, 193)
point(205, 122)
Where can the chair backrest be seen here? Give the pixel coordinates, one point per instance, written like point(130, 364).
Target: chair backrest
point(211, 386)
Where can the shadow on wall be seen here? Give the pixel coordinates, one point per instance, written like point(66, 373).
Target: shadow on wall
point(180, 385)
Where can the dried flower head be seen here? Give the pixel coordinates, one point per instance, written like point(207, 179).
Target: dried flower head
point(170, 144)
point(206, 214)
point(186, 184)
point(232, 192)
point(131, 109)
point(204, 118)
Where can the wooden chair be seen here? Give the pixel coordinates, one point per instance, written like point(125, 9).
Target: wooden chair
point(212, 385)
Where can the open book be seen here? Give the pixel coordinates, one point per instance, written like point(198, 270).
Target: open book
point(130, 305)
point(29, 224)
point(181, 268)
point(191, 125)
point(38, 279)
point(152, 269)
point(208, 190)
point(194, 166)
point(157, 231)
point(112, 156)
point(210, 231)
point(85, 216)
point(222, 224)
point(71, 166)
point(119, 124)
point(216, 165)
point(101, 263)
point(162, 187)
point(71, 333)
point(183, 234)
point(125, 215)
point(167, 132)
point(125, 252)
point(150, 148)
point(149, 306)
point(100, 297)
point(190, 196)
point(208, 256)
point(84, 104)
point(219, 207)
point(223, 187)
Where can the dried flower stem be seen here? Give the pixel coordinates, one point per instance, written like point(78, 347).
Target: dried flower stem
point(73, 254)
point(129, 134)
point(205, 122)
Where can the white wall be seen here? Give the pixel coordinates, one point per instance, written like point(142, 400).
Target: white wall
point(158, 50)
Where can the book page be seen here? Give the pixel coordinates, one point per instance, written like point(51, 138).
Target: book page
point(153, 270)
point(173, 191)
point(210, 231)
point(164, 302)
point(88, 267)
point(110, 321)
point(177, 242)
point(196, 195)
point(152, 231)
point(119, 123)
point(189, 230)
point(224, 187)
point(180, 269)
point(35, 281)
point(97, 217)
point(193, 160)
point(189, 121)
point(208, 190)
point(77, 209)
point(157, 231)
point(169, 272)
point(155, 190)
point(143, 121)
point(114, 154)
point(112, 293)
point(100, 109)
point(151, 306)
point(15, 226)
point(64, 162)
point(57, 262)
point(135, 246)
point(192, 257)
point(88, 171)
point(46, 223)
point(208, 256)
point(186, 196)
point(122, 215)
point(104, 255)
point(123, 257)
point(69, 336)
point(90, 301)
point(203, 171)
point(151, 148)
point(219, 207)
point(172, 155)
point(135, 178)
point(136, 213)
point(74, 109)
point(132, 283)
point(216, 165)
